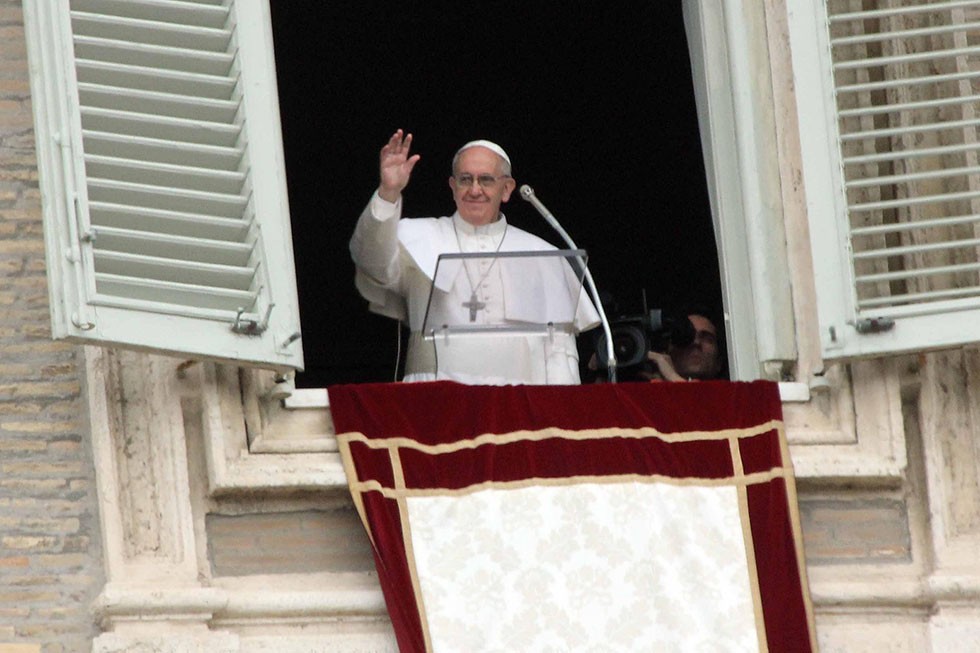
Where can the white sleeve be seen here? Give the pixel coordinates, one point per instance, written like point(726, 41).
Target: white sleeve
point(377, 259)
point(374, 245)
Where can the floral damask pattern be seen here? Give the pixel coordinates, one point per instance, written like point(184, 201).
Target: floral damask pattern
point(584, 567)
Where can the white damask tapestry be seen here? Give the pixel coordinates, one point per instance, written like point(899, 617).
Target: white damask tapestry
point(635, 517)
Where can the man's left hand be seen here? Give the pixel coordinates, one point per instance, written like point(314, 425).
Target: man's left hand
point(665, 365)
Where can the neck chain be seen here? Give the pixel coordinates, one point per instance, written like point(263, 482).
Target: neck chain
point(475, 304)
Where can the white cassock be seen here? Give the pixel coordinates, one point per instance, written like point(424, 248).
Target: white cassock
point(396, 261)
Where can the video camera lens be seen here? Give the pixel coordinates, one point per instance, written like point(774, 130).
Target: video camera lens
point(633, 336)
point(629, 345)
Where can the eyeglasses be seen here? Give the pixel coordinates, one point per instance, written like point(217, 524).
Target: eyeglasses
point(485, 181)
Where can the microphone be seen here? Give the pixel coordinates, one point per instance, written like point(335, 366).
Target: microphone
point(527, 194)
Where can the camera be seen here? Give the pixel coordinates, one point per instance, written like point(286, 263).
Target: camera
point(634, 335)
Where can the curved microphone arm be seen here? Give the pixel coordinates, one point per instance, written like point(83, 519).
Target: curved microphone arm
point(527, 193)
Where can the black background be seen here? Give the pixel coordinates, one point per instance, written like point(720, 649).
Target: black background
point(592, 101)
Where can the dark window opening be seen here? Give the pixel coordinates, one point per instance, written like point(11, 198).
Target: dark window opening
point(594, 103)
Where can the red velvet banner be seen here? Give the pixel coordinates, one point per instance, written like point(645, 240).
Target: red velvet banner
point(407, 446)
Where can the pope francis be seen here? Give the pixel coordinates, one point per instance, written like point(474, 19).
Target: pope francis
point(396, 261)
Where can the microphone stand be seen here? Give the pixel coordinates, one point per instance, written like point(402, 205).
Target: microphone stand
point(527, 193)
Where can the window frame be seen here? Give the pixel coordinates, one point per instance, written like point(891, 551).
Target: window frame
point(735, 114)
point(256, 441)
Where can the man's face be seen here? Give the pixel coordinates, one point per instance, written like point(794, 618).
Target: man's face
point(699, 360)
point(476, 203)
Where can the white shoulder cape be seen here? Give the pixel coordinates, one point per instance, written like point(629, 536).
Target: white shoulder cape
point(422, 240)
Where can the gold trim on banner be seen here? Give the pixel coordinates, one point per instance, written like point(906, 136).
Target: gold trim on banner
point(399, 477)
point(755, 478)
point(350, 471)
point(797, 528)
point(752, 567)
point(565, 434)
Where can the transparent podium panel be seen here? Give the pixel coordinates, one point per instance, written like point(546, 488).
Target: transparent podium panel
point(505, 293)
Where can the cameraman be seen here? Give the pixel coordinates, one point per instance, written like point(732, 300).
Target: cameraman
point(699, 360)
point(687, 347)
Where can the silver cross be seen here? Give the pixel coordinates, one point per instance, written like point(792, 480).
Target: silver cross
point(474, 305)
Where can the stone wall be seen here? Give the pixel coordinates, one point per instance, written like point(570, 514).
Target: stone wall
point(846, 529)
point(301, 541)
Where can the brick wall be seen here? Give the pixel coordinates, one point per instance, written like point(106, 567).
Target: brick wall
point(855, 530)
point(50, 557)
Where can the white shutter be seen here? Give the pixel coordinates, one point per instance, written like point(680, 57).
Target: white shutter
point(888, 97)
point(161, 170)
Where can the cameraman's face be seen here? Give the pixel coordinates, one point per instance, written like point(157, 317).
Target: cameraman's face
point(699, 360)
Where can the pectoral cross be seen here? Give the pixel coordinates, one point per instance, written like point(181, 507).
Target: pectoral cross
point(474, 305)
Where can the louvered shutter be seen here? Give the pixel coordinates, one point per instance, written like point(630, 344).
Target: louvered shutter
point(888, 98)
point(161, 166)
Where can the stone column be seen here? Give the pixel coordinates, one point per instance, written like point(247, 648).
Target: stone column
point(153, 600)
point(950, 422)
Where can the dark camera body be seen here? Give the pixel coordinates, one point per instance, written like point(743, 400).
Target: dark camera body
point(634, 335)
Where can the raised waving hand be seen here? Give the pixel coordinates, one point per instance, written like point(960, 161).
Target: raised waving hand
point(396, 166)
